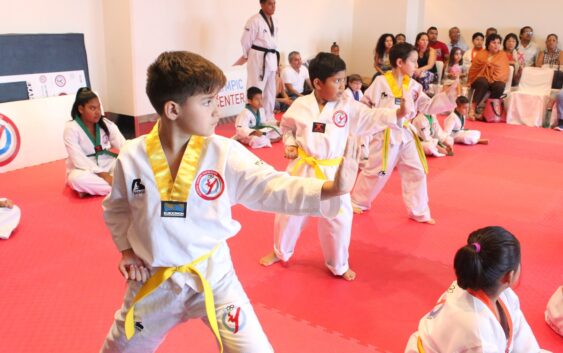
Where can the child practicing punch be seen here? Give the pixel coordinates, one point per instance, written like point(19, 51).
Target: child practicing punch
point(454, 125)
point(398, 145)
point(89, 138)
point(252, 127)
point(169, 213)
point(479, 312)
point(315, 129)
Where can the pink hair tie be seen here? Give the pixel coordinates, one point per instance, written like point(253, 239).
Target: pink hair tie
point(477, 247)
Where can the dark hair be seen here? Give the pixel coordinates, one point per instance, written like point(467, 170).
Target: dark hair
point(83, 96)
point(177, 75)
point(491, 29)
point(431, 28)
point(334, 45)
point(253, 91)
point(477, 34)
point(400, 35)
point(325, 65)
point(263, 1)
point(418, 36)
point(523, 29)
point(452, 54)
point(400, 51)
point(489, 254)
point(461, 100)
point(554, 35)
point(490, 38)
point(354, 78)
point(508, 36)
point(380, 47)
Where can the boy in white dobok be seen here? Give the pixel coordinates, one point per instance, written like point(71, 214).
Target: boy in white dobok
point(398, 145)
point(252, 126)
point(89, 139)
point(315, 129)
point(479, 313)
point(169, 213)
point(454, 125)
point(9, 217)
point(433, 138)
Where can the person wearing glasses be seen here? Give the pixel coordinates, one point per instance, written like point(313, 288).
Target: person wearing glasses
point(528, 48)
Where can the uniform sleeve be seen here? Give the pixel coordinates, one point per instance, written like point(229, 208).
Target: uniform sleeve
point(248, 36)
point(258, 186)
point(76, 154)
point(422, 129)
point(523, 340)
point(116, 138)
point(440, 103)
point(117, 214)
point(369, 121)
point(242, 124)
point(288, 128)
point(372, 95)
point(449, 123)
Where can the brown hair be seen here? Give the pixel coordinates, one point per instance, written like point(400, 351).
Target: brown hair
point(177, 75)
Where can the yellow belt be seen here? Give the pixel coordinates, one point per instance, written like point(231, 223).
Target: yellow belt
point(387, 142)
point(163, 274)
point(315, 163)
point(419, 345)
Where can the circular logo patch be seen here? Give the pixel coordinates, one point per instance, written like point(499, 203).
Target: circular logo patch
point(9, 140)
point(60, 80)
point(340, 118)
point(209, 185)
point(233, 319)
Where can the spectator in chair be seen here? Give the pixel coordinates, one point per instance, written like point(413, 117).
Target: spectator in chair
point(442, 52)
point(296, 76)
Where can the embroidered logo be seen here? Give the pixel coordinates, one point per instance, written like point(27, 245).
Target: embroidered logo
point(139, 326)
point(209, 185)
point(234, 318)
point(137, 187)
point(319, 127)
point(9, 140)
point(436, 310)
point(340, 118)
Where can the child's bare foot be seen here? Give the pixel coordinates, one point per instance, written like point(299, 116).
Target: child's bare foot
point(357, 210)
point(269, 259)
point(429, 221)
point(483, 141)
point(349, 275)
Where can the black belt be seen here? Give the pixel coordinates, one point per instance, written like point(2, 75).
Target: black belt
point(265, 51)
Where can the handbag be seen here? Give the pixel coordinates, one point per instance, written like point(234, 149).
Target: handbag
point(557, 82)
point(494, 111)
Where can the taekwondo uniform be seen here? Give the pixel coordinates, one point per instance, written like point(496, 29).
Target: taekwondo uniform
point(354, 95)
point(9, 220)
point(321, 138)
point(554, 311)
point(465, 322)
point(454, 125)
point(259, 46)
point(88, 155)
point(248, 121)
point(180, 230)
point(398, 146)
point(430, 134)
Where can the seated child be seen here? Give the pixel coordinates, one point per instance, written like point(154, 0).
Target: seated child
point(554, 311)
point(169, 213)
point(88, 139)
point(9, 217)
point(251, 129)
point(454, 125)
point(479, 312)
point(435, 141)
point(354, 89)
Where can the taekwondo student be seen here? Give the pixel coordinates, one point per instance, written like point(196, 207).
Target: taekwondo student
point(454, 125)
point(259, 46)
point(88, 139)
point(315, 129)
point(398, 145)
point(479, 313)
point(169, 213)
point(9, 217)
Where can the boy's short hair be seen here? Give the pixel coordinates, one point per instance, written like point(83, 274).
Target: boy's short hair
point(325, 65)
point(477, 34)
point(252, 91)
point(177, 75)
point(354, 78)
point(461, 100)
point(400, 51)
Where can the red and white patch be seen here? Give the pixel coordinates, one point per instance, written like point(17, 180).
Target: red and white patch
point(10, 140)
point(340, 118)
point(209, 185)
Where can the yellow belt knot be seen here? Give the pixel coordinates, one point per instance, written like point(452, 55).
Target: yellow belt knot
point(315, 163)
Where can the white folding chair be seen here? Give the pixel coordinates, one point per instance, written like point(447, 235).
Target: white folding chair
point(529, 103)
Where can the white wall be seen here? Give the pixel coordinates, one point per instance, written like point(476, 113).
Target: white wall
point(62, 16)
point(544, 16)
point(213, 29)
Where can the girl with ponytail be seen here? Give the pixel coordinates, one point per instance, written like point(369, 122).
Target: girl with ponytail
point(479, 312)
point(88, 139)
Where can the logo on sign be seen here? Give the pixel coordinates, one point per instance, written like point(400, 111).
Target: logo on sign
point(209, 185)
point(9, 140)
point(60, 80)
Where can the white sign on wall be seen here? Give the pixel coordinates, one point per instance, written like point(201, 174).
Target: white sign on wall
point(50, 84)
point(232, 98)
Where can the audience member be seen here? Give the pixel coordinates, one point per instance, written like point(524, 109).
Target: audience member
point(528, 48)
point(296, 76)
point(441, 48)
